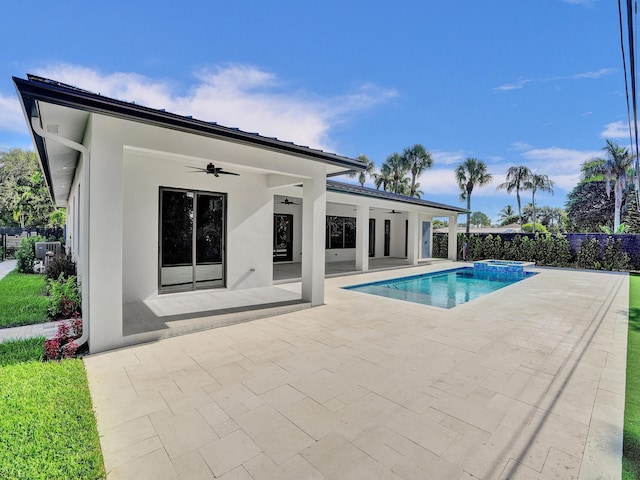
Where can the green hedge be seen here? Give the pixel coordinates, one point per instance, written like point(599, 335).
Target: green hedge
point(543, 249)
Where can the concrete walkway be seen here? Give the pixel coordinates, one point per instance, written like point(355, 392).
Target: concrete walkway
point(6, 267)
point(524, 383)
point(47, 330)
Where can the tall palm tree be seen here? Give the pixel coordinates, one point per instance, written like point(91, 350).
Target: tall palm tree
point(369, 170)
point(416, 159)
point(470, 173)
point(538, 182)
point(397, 169)
point(615, 169)
point(516, 178)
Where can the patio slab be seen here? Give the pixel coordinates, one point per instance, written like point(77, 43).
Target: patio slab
point(526, 382)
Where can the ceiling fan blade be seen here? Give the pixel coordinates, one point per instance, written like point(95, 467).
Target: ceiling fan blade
point(228, 173)
point(197, 169)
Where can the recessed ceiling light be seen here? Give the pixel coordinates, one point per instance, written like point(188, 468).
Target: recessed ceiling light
point(64, 168)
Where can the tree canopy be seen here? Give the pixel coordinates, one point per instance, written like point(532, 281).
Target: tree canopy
point(589, 207)
point(480, 219)
point(615, 168)
point(468, 174)
point(24, 198)
point(517, 176)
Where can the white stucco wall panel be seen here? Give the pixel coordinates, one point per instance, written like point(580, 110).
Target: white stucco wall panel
point(106, 201)
point(249, 222)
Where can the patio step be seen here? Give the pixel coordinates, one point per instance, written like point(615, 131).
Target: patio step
point(176, 327)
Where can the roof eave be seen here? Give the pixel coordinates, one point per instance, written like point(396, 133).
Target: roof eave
point(27, 105)
point(348, 189)
point(40, 90)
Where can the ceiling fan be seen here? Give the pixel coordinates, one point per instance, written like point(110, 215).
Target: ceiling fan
point(394, 212)
point(213, 170)
point(286, 201)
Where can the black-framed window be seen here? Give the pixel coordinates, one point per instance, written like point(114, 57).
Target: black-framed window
point(341, 232)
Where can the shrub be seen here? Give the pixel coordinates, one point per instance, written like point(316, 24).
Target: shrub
point(64, 297)
point(63, 344)
point(60, 265)
point(26, 253)
point(528, 228)
point(613, 258)
point(488, 249)
point(589, 254)
point(440, 245)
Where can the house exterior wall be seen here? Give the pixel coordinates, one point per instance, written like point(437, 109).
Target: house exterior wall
point(249, 222)
point(129, 162)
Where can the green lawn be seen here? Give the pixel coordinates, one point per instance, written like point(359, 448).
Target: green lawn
point(631, 448)
point(22, 300)
point(47, 427)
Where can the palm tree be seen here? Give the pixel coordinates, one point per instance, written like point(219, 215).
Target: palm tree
point(516, 178)
point(397, 169)
point(369, 170)
point(383, 179)
point(538, 182)
point(615, 169)
point(470, 173)
point(507, 215)
point(416, 159)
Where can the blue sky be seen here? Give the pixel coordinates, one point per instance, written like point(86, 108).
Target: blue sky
point(509, 82)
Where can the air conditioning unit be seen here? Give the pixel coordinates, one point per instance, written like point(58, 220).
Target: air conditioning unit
point(43, 247)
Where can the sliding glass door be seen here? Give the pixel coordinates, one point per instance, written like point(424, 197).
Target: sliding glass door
point(192, 239)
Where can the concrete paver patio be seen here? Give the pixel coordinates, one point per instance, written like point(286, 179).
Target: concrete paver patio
point(524, 383)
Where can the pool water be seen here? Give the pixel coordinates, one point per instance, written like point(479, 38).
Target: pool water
point(442, 289)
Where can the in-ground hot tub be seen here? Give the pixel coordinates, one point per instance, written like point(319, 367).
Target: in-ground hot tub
point(506, 267)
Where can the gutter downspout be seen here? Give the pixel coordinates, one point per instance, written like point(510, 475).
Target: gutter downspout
point(84, 237)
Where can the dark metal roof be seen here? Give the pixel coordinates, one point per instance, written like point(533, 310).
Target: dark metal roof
point(46, 90)
point(351, 189)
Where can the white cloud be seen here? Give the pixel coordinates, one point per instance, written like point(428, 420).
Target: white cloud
point(618, 129)
point(520, 145)
point(11, 117)
point(441, 157)
point(240, 96)
point(561, 164)
point(512, 86)
point(438, 181)
point(595, 74)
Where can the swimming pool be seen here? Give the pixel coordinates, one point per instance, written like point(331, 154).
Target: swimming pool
point(445, 289)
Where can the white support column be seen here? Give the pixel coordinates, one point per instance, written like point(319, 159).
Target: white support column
point(314, 206)
point(104, 199)
point(453, 237)
point(413, 238)
point(362, 238)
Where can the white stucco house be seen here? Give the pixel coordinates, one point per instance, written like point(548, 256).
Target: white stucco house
point(161, 205)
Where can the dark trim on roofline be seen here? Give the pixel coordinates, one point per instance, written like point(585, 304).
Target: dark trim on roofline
point(42, 89)
point(351, 189)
